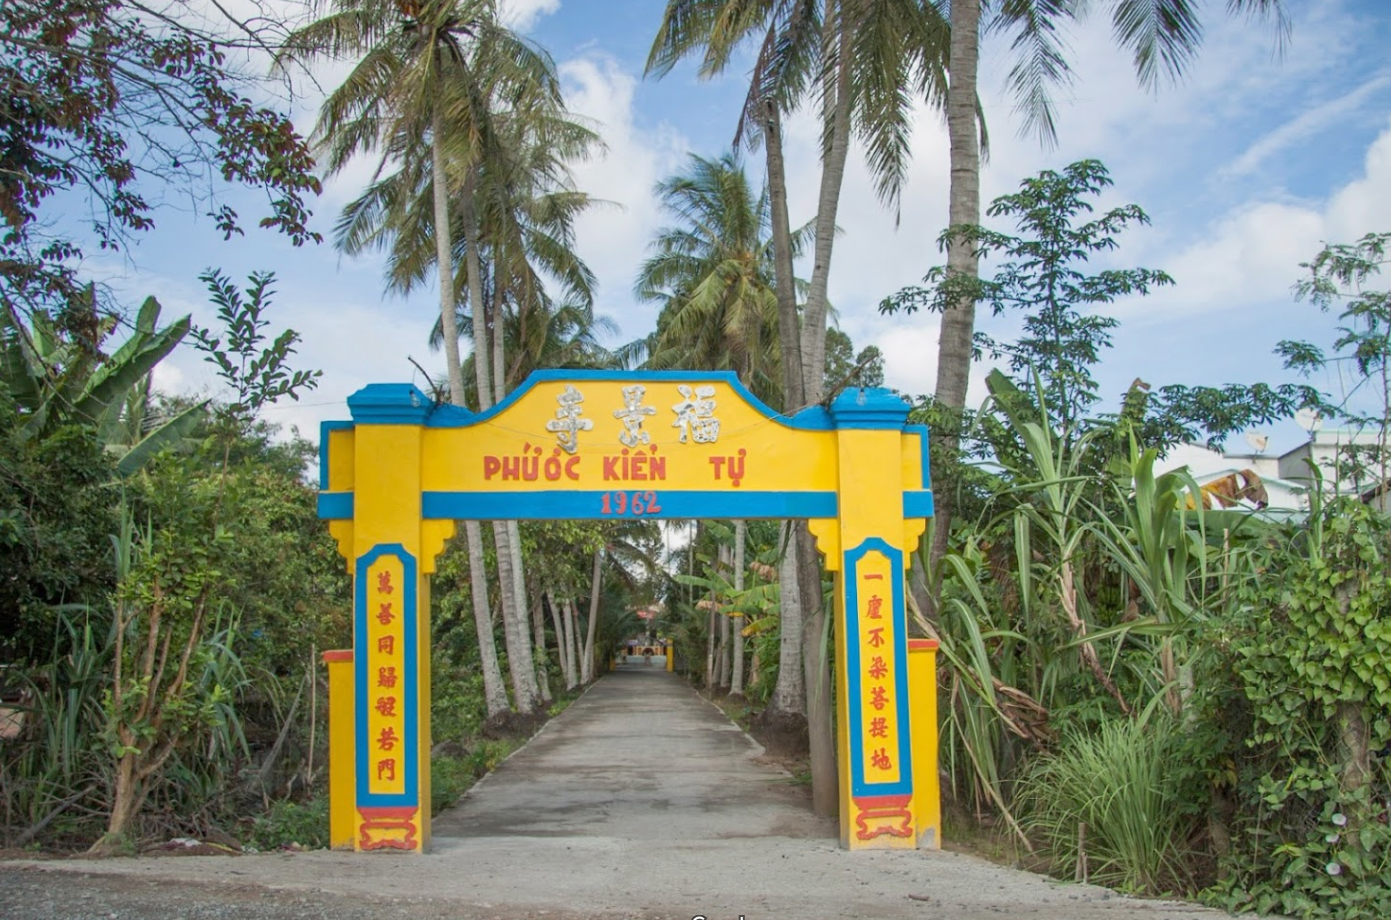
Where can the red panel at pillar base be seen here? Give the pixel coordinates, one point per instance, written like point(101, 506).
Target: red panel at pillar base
point(387, 829)
point(883, 814)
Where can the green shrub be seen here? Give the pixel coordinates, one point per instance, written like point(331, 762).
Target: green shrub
point(1122, 783)
point(287, 822)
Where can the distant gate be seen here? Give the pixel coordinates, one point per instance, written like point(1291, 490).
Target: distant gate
point(604, 445)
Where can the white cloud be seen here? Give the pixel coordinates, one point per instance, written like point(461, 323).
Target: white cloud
point(613, 236)
point(522, 14)
point(1304, 126)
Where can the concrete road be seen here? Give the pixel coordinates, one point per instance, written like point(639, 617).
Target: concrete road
point(639, 801)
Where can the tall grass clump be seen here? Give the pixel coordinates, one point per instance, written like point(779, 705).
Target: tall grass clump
point(1110, 806)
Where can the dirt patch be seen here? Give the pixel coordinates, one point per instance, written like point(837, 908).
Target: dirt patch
point(520, 725)
point(782, 734)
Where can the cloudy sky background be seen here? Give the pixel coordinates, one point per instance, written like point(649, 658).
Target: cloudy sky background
point(1246, 167)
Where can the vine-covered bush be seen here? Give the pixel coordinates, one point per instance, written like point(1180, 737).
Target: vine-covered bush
point(1313, 675)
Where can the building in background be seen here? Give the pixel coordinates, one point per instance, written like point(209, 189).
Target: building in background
point(1348, 462)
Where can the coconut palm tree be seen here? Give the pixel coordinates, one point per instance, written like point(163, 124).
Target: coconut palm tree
point(865, 62)
point(712, 273)
point(446, 71)
point(1162, 36)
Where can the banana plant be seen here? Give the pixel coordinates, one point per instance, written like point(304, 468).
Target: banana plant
point(56, 381)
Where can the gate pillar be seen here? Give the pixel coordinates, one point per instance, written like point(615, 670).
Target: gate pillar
point(373, 496)
point(867, 546)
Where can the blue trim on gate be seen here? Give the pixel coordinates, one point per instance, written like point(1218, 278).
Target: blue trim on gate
point(411, 744)
point(390, 404)
point(567, 505)
point(336, 506)
point(874, 408)
point(917, 505)
point(324, 429)
point(855, 696)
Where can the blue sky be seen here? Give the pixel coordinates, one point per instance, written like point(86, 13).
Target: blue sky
point(1245, 167)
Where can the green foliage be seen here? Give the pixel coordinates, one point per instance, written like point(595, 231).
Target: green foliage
point(257, 372)
point(60, 380)
point(55, 524)
point(451, 776)
point(1042, 276)
point(97, 87)
point(712, 276)
point(288, 822)
point(1121, 800)
point(845, 368)
point(1335, 871)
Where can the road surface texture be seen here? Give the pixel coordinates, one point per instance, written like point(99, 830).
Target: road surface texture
point(639, 801)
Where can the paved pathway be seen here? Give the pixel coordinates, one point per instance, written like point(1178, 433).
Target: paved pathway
point(639, 801)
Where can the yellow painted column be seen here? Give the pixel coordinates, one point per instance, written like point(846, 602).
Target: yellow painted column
point(874, 738)
point(922, 701)
point(340, 749)
point(391, 647)
point(671, 655)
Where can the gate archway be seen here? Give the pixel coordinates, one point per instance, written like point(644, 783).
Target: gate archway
point(573, 445)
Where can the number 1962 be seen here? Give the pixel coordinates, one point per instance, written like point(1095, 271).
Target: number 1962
point(635, 503)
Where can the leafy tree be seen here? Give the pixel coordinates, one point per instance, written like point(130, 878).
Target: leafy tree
point(111, 101)
point(450, 71)
point(1339, 276)
point(1042, 276)
point(174, 571)
point(846, 368)
point(1162, 36)
point(56, 497)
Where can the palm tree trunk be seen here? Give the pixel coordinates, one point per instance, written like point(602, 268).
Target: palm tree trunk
point(473, 265)
point(959, 318)
point(559, 626)
point(816, 664)
point(494, 693)
point(789, 694)
point(816, 660)
point(837, 109)
point(587, 662)
point(514, 545)
point(572, 677)
point(445, 261)
point(520, 665)
point(494, 690)
point(722, 679)
point(538, 636)
point(789, 325)
point(736, 626)
point(711, 628)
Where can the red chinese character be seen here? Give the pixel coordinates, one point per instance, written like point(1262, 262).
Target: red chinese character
point(386, 677)
point(880, 759)
point(875, 602)
point(877, 668)
point(386, 769)
point(386, 741)
point(879, 727)
point(386, 705)
point(874, 577)
point(878, 698)
point(384, 615)
point(384, 583)
point(876, 637)
point(386, 645)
